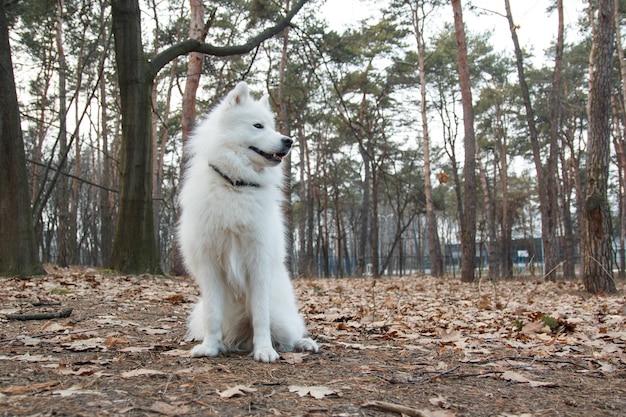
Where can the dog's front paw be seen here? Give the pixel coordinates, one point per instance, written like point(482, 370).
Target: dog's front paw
point(267, 355)
point(205, 349)
point(306, 344)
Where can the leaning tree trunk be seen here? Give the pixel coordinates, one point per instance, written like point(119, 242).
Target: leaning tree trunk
point(597, 252)
point(468, 226)
point(546, 178)
point(135, 227)
point(18, 251)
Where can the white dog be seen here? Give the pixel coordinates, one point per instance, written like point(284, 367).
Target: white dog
point(231, 233)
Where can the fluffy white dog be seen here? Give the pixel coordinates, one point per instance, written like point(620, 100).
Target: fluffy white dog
point(232, 236)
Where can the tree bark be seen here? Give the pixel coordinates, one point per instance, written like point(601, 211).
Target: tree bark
point(468, 225)
point(434, 246)
point(18, 251)
point(285, 128)
point(493, 247)
point(555, 130)
point(105, 205)
point(619, 142)
point(134, 247)
point(62, 189)
point(506, 227)
point(197, 30)
point(546, 178)
point(597, 251)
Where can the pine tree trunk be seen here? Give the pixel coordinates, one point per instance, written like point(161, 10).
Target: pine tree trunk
point(134, 247)
point(555, 130)
point(434, 246)
point(18, 251)
point(597, 251)
point(493, 247)
point(506, 227)
point(619, 142)
point(62, 188)
point(468, 226)
point(197, 30)
point(285, 129)
point(546, 177)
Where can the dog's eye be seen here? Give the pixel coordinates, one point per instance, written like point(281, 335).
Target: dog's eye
point(258, 125)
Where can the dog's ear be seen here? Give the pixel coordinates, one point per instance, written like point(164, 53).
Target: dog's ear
point(266, 101)
point(238, 95)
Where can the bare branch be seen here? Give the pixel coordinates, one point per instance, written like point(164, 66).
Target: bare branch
point(192, 45)
point(41, 316)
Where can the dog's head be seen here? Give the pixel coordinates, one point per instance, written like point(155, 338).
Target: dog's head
point(251, 127)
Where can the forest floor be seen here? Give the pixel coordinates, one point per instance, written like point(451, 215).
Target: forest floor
point(414, 345)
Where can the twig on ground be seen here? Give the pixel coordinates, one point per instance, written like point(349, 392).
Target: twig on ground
point(440, 374)
point(48, 334)
point(545, 360)
point(41, 316)
point(395, 408)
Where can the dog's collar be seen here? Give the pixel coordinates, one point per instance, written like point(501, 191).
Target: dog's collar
point(238, 183)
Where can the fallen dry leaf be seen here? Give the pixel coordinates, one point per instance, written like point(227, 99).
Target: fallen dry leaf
point(140, 372)
point(27, 357)
point(183, 353)
point(293, 357)
point(151, 331)
point(29, 341)
point(516, 377)
point(314, 391)
point(166, 409)
point(94, 343)
point(75, 390)
point(239, 390)
point(440, 401)
point(136, 349)
point(75, 372)
point(25, 389)
point(537, 327)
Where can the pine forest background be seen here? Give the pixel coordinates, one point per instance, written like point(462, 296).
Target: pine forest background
point(376, 181)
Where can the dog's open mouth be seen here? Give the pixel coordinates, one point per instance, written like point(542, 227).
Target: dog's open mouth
point(276, 157)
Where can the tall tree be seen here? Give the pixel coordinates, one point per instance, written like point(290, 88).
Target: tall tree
point(468, 224)
point(18, 251)
point(597, 251)
point(105, 201)
point(619, 140)
point(418, 16)
point(134, 247)
point(555, 131)
point(546, 177)
point(64, 240)
point(197, 30)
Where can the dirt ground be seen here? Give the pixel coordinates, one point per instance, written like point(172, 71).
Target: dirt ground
point(413, 345)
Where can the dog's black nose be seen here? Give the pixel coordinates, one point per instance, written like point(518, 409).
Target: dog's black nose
point(287, 141)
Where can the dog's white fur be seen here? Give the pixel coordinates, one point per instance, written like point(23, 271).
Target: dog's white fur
point(232, 235)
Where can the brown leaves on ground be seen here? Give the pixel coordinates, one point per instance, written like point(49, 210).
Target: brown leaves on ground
point(413, 346)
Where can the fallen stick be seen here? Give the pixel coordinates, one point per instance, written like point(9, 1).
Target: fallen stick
point(395, 408)
point(41, 316)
